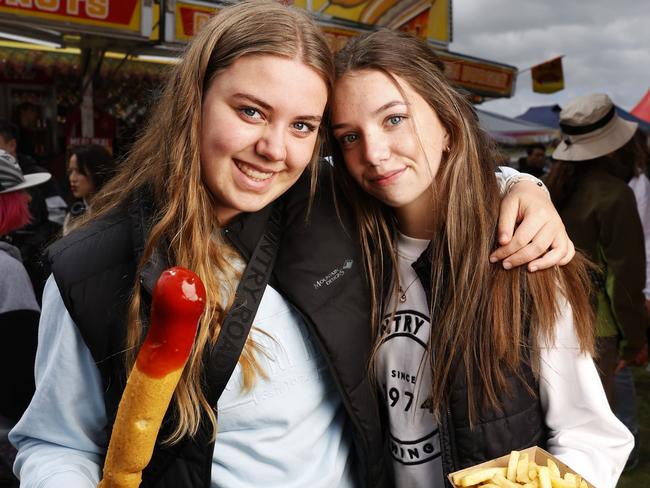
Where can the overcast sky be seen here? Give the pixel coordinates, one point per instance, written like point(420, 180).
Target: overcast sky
point(606, 44)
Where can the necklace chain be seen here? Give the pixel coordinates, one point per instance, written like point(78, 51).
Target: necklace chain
point(402, 292)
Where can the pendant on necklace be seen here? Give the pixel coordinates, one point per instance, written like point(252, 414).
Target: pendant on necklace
point(402, 296)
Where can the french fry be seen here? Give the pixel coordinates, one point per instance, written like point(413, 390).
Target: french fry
point(561, 483)
point(544, 477)
point(504, 482)
point(522, 468)
point(476, 477)
point(553, 469)
point(570, 477)
point(513, 460)
point(521, 472)
point(533, 484)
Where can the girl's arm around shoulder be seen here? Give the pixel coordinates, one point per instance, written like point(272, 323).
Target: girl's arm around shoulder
point(61, 437)
point(584, 433)
point(530, 230)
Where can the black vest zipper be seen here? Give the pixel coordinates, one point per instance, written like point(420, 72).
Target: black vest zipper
point(363, 461)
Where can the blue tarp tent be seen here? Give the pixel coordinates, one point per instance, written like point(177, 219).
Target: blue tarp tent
point(507, 130)
point(549, 115)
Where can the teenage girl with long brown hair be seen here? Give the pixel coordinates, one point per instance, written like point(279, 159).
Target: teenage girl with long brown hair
point(220, 161)
point(471, 360)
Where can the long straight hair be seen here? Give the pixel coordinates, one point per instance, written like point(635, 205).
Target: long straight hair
point(166, 160)
point(480, 319)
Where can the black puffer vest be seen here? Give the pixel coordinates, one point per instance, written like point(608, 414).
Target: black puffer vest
point(519, 425)
point(318, 269)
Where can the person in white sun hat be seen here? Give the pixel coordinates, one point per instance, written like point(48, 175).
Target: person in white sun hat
point(12, 178)
point(589, 186)
point(19, 311)
point(591, 129)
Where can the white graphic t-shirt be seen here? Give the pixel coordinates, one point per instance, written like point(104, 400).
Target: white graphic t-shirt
point(404, 377)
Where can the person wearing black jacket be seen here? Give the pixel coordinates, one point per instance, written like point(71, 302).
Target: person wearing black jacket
point(534, 162)
point(19, 310)
point(46, 207)
point(213, 176)
point(471, 360)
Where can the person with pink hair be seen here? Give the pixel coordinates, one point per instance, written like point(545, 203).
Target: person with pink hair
point(19, 311)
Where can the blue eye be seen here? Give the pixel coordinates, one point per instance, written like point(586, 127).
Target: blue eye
point(395, 119)
point(251, 112)
point(304, 127)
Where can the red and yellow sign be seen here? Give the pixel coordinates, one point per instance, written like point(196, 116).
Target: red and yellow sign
point(121, 15)
point(190, 19)
point(478, 77)
point(426, 18)
point(548, 77)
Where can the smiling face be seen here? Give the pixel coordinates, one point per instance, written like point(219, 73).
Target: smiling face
point(260, 121)
point(392, 143)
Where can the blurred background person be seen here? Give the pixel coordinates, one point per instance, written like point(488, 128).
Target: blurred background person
point(89, 168)
point(640, 185)
point(624, 388)
point(597, 159)
point(47, 209)
point(534, 162)
point(19, 310)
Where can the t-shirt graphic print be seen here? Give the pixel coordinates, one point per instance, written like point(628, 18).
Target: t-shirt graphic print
point(404, 379)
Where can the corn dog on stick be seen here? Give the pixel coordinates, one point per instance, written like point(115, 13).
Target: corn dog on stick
point(178, 302)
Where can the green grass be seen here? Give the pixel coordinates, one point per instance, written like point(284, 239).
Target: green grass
point(640, 476)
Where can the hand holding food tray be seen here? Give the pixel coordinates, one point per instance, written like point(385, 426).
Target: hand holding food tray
point(530, 468)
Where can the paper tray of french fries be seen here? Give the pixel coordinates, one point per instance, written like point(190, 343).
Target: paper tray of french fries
point(529, 468)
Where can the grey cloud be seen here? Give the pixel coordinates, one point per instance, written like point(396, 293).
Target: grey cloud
point(606, 44)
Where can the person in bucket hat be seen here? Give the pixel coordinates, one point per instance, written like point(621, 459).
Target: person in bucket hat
point(589, 186)
point(12, 177)
point(591, 129)
point(19, 310)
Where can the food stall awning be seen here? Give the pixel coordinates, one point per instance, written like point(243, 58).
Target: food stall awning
point(341, 20)
point(429, 19)
point(139, 27)
point(127, 20)
point(482, 78)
